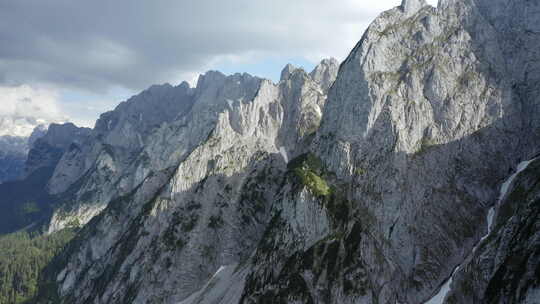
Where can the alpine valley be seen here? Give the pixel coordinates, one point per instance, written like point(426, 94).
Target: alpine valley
point(406, 174)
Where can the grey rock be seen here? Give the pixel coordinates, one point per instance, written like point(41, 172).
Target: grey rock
point(38, 133)
point(502, 269)
point(411, 7)
point(325, 73)
point(226, 159)
point(412, 136)
point(372, 193)
point(47, 147)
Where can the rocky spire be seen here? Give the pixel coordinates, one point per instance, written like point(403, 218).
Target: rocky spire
point(325, 72)
point(287, 71)
point(410, 7)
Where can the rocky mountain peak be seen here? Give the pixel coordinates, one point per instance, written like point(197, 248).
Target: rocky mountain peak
point(62, 135)
point(410, 7)
point(184, 85)
point(38, 132)
point(210, 78)
point(325, 72)
point(47, 150)
point(287, 71)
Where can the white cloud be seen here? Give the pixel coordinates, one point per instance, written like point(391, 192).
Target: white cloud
point(23, 108)
point(26, 101)
point(95, 46)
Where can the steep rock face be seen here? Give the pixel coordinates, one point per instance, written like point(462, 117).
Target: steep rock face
point(123, 132)
point(46, 150)
point(504, 267)
point(210, 208)
point(412, 138)
point(428, 115)
point(112, 160)
point(303, 97)
point(325, 73)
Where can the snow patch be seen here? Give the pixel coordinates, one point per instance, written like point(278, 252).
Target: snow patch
point(230, 103)
point(225, 287)
point(445, 289)
point(284, 154)
point(506, 185)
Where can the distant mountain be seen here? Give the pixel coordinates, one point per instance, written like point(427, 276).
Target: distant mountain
point(24, 199)
point(13, 153)
point(17, 135)
point(18, 126)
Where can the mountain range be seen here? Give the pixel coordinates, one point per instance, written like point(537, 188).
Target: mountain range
point(406, 174)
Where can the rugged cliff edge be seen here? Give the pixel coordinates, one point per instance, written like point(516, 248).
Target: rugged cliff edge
point(413, 140)
point(195, 191)
point(373, 189)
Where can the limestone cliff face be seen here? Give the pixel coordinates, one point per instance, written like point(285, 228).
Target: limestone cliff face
point(89, 175)
point(412, 141)
point(202, 196)
point(503, 268)
point(373, 188)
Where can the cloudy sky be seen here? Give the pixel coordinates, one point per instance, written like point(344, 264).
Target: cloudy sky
point(76, 59)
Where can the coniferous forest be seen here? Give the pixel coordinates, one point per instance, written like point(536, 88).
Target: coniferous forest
point(22, 257)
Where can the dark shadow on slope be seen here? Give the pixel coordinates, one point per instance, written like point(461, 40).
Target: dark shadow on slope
point(250, 209)
point(449, 218)
point(25, 202)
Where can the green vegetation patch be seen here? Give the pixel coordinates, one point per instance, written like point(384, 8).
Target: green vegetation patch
point(313, 182)
point(22, 258)
point(310, 172)
point(30, 207)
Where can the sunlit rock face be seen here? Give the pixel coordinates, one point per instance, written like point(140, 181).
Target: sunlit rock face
point(367, 183)
point(197, 189)
point(424, 121)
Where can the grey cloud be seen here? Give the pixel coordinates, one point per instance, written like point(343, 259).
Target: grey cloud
point(95, 45)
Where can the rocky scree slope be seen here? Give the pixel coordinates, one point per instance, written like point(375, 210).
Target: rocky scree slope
point(428, 115)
